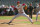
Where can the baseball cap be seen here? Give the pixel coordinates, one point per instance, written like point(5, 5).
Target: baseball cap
point(18, 1)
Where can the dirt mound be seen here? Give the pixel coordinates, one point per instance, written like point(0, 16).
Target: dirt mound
point(19, 25)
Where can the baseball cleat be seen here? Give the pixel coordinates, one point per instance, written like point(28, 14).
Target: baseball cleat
point(9, 23)
point(32, 22)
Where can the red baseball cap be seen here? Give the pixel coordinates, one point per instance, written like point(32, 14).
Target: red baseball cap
point(18, 1)
point(23, 4)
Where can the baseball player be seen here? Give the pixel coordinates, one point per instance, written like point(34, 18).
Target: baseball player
point(30, 9)
point(20, 12)
point(38, 11)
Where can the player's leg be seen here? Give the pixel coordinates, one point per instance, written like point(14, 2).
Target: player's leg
point(36, 16)
point(28, 17)
point(14, 18)
point(31, 15)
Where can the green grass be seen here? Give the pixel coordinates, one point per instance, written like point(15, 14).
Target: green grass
point(37, 22)
point(5, 17)
point(35, 18)
point(9, 17)
point(28, 22)
point(23, 22)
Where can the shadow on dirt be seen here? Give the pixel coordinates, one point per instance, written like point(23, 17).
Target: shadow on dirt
point(7, 23)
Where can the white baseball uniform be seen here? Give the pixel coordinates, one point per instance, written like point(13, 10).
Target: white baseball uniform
point(21, 12)
point(38, 12)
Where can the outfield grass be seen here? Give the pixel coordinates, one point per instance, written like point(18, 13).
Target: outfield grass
point(28, 22)
point(10, 17)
